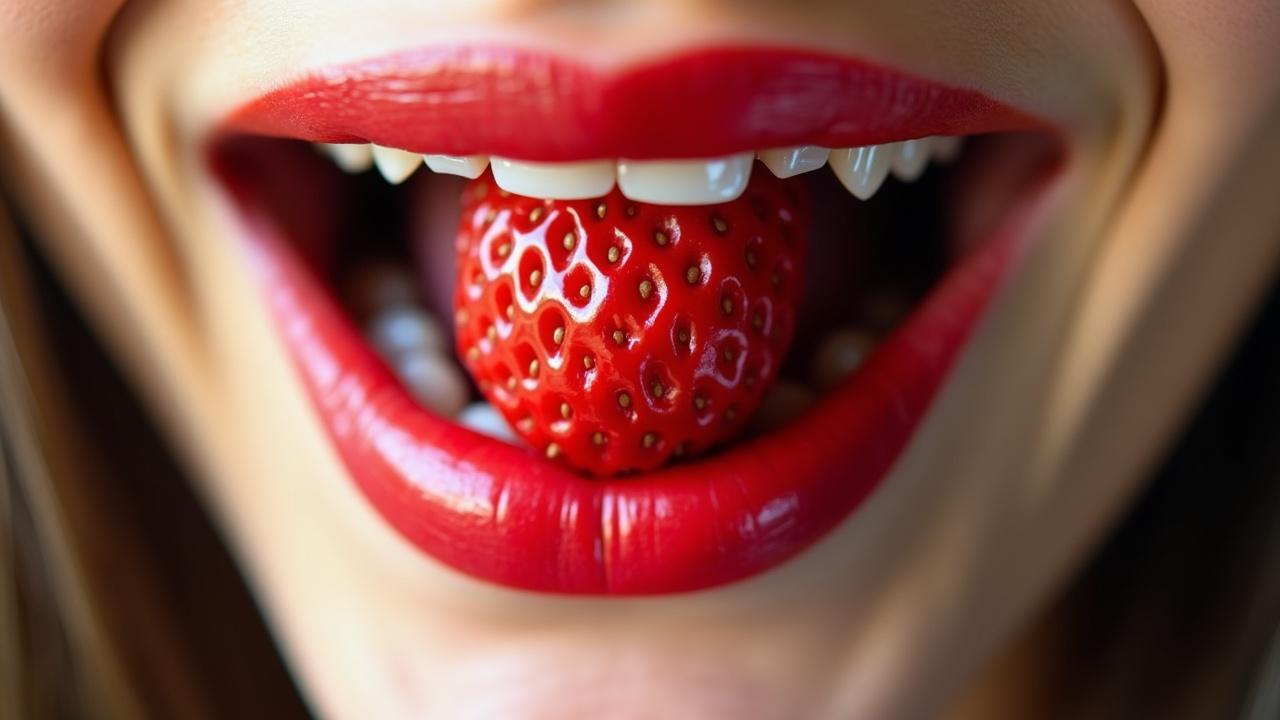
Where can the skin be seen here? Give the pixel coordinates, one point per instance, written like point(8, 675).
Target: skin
point(1159, 242)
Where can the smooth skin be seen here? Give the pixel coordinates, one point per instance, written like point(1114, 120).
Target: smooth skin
point(1159, 242)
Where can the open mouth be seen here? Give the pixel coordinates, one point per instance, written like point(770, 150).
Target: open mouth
point(644, 331)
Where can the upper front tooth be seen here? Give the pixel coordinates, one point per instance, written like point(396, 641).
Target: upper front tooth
point(467, 166)
point(685, 182)
point(395, 165)
point(352, 157)
point(555, 181)
point(791, 161)
point(912, 158)
point(863, 170)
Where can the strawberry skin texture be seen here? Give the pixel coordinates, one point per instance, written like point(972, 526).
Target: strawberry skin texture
point(614, 335)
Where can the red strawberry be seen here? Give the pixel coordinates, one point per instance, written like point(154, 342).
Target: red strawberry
point(614, 334)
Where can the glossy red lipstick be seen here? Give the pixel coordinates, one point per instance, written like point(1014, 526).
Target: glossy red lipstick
point(530, 106)
point(502, 514)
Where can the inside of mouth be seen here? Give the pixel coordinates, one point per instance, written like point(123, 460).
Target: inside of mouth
point(388, 253)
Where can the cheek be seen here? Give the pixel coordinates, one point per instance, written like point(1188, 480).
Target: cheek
point(59, 36)
point(1235, 39)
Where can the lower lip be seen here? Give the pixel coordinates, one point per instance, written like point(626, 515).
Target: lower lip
point(496, 512)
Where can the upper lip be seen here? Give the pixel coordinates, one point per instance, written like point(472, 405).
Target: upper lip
point(491, 510)
point(495, 100)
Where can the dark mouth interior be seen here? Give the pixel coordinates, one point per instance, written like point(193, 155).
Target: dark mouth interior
point(870, 262)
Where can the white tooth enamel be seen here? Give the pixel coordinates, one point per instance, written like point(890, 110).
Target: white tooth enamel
point(402, 329)
point(395, 165)
point(781, 404)
point(351, 157)
point(467, 166)
point(685, 182)
point(434, 380)
point(791, 161)
point(912, 158)
point(484, 419)
point(556, 181)
point(863, 170)
point(840, 353)
point(946, 148)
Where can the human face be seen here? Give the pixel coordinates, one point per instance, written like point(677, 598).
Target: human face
point(1111, 279)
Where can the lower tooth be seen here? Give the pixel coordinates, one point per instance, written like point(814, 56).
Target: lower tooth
point(840, 353)
point(556, 181)
point(351, 157)
point(911, 159)
point(486, 420)
point(434, 380)
point(685, 182)
point(863, 170)
point(395, 165)
point(404, 329)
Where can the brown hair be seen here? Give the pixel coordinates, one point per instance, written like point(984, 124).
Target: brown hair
point(116, 598)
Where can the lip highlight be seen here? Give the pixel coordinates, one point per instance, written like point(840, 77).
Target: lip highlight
point(498, 512)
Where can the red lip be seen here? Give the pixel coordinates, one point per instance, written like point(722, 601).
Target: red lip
point(496, 511)
point(530, 106)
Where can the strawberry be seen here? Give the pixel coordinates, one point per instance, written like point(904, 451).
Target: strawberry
point(614, 335)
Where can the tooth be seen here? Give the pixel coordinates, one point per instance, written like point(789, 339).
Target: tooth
point(912, 158)
point(467, 166)
point(484, 419)
point(434, 380)
point(555, 181)
point(685, 182)
point(781, 404)
point(404, 329)
point(791, 161)
point(946, 148)
point(863, 169)
point(395, 165)
point(838, 354)
point(351, 157)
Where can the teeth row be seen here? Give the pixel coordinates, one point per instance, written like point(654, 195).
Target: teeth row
point(862, 170)
point(410, 339)
point(414, 345)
